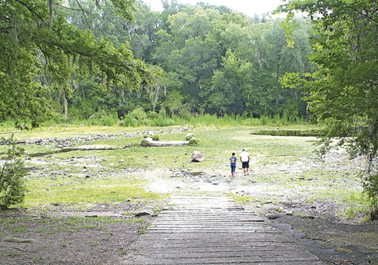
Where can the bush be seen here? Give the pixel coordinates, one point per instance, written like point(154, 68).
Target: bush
point(136, 118)
point(139, 115)
point(129, 121)
point(189, 136)
point(193, 141)
point(370, 184)
point(155, 137)
point(110, 120)
point(152, 115)
point(12, 184)
point(162, 119)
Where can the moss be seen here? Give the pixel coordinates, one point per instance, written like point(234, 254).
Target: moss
point(193, 141)
point(343, 250)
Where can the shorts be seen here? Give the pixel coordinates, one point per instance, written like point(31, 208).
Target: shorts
point(245, 164)
point(233, 168)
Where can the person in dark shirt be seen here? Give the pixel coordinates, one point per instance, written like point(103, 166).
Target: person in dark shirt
point(233, 164)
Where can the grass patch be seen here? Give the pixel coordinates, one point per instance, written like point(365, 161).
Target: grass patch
point(71, 191)
point(242, 199)
point(302, 215)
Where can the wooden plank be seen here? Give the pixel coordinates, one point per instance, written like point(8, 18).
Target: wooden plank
point(214, 230)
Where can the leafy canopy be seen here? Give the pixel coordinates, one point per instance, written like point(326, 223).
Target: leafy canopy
point(41, 51)
point(344, 90)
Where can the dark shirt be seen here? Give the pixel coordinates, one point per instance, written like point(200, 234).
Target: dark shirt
point(233, 160)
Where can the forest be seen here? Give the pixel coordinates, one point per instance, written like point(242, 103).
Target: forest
point(85, 60)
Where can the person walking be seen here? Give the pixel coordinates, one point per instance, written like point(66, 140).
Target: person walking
point(233, 164)
point(245, 158)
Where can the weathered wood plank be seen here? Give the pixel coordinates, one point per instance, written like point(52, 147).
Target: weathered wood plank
point(214, 230)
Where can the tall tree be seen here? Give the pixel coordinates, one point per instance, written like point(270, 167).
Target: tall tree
point(40, 49)
point(344, 91)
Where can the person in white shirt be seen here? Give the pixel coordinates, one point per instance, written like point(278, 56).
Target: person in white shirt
point(244, 158)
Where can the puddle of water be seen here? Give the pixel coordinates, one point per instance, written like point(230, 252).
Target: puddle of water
point(304, 133)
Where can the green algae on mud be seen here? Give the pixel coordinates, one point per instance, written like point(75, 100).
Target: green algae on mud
point(280, 165)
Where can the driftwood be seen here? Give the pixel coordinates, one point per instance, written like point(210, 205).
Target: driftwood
point(170, 143)
point(149, 142)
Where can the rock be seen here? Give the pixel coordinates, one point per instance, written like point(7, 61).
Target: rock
point(146, 142)
point(92, 215)
point(197, 156)
point(308, 217)
point(273, 216)
point(122, 160)
point(142, 214)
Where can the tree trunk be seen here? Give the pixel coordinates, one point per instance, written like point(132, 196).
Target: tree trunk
point(65, 103)
point(277, 87)
point(149, 142)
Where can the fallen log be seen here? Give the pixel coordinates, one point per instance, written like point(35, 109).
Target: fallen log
point(149, 142)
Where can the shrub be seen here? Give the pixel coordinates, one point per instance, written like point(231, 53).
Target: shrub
point(155, 137)
point(193, 141)
point(189, 136)
point(370, 184)
point(12, 184)
point(129, 121)
point(110, 120)
point(139, 114)
point(162, 120)
point(152, 115)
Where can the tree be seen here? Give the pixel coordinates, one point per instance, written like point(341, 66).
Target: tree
point(344, 90)
point(12, 183)
point(42, 51)
point(189, 53)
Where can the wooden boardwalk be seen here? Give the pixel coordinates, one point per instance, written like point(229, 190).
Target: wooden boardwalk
point(214, 230)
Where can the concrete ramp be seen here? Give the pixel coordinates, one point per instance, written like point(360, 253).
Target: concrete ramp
point(203, 229)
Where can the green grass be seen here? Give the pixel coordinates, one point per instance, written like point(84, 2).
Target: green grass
point(242, 199)
point(70, 191)
point(68, 225)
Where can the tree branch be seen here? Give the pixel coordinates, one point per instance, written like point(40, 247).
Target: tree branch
point(69, 8)
point(83, 11)
point(31, 10)
point(5, 30)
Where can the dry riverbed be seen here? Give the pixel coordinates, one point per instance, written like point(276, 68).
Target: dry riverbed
point(286, 193)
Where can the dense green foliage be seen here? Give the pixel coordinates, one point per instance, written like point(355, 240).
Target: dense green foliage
point(43, 55)
point(79, 60)
point(344, 89)
point(12, 184)
point(221, 62)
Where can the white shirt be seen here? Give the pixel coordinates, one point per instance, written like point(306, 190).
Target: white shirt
point(244, 156)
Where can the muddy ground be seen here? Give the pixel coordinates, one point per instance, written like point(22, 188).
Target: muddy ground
point(102, 233)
